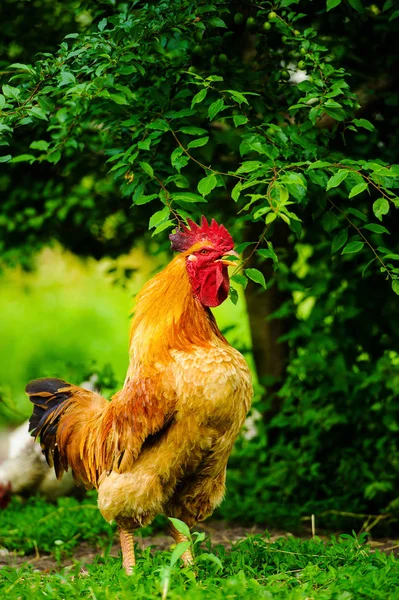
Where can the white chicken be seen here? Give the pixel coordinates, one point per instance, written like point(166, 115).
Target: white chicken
point(25, 471)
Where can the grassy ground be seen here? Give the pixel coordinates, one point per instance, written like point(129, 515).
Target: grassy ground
point(256, 566)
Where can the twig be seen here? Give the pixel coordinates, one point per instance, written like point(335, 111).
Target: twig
point(313, 522)
point(361, 235)
point(200, 163)
point(168, 201)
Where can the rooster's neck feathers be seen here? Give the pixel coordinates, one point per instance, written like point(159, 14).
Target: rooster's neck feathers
point(168, 316)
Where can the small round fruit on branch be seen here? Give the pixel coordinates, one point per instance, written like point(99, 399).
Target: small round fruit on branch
point(251, 23)
point(238, 18)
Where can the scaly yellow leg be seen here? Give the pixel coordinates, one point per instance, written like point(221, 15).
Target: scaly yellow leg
point(187, 556)
point(127, 545)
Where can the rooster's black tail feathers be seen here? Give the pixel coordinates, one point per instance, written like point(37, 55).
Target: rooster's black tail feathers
point(50, 397)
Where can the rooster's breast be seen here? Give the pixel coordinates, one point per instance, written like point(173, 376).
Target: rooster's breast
point(213, 385)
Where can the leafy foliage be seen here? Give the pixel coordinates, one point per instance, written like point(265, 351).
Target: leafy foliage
point(136, 86)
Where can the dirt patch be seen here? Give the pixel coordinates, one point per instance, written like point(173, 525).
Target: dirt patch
point(219, 532)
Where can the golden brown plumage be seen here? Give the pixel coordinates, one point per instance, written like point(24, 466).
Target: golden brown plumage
point(161, 446)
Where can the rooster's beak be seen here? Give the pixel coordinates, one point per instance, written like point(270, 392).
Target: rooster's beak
point(229, 263)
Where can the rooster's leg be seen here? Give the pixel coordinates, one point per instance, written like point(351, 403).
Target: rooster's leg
point(187, 556)
point(127, 545)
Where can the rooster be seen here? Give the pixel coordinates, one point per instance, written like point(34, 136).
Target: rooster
point(161, 445)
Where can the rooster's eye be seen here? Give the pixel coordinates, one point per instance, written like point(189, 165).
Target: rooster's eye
point(204, 251)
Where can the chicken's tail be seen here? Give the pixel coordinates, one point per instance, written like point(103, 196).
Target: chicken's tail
point(60, 415)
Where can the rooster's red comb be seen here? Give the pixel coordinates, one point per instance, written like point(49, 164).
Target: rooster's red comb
point(216, 234)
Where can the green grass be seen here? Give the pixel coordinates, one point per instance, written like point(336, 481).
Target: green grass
point(343, 568)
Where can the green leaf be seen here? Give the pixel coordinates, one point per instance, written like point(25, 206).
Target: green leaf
point(236, 191)
point(178, 160)
point(102, 24)
point(375, 228)
point(329, 221)
point(159, 217)
point(144, 144)
point(319, 178)
point(353, 247)
point(39, 145)
point(256, 276)
point(363, 123)
point(237, 96)
point(240, 279)
point(358, 189)
point(272, 216)
point(38, 112)
point(319, 164)
point(210, 557)
point(215, 108)
point(336, 113)
point(391, 256)
point(67, 78)
point(357, 5)
point(187, 197)
point(181, 527)
point(339, 240)
point(46, 103)
point(268, 253)
point(249, 166)
point(233, 295)
point(147, 168)
point(241, 247)
point(380, 208)
point(207, 184)
point(395, 286)
point(284, 194)
point(23, 158)
point(21, 67)
point(199, 97)
point(6, 158)
point(5, 127)
point(357, 213)
point(193, 130)
point(118, 99)
point(198, 143)
point(159, 125)
point(217, 22)
point(145, 199)
point(162, 227)
point(240, 120)
point(11, 92)
point(332, 4)
point(180, 114)
point(181, 547)
point(2, 101)
point(337, 178)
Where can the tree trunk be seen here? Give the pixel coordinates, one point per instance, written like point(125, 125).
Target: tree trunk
point(270, 356)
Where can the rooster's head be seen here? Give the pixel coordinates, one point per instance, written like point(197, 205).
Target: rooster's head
point(205, 248)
